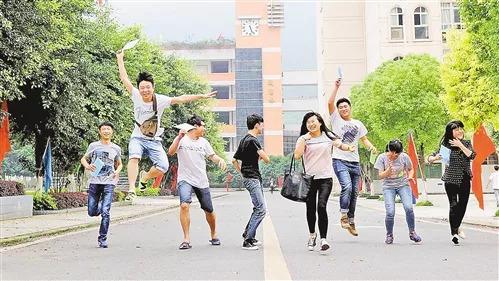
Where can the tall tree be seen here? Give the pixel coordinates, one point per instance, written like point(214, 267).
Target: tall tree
point(400, 96)
point(470, 93)
point(69, 82)
point(470, 71)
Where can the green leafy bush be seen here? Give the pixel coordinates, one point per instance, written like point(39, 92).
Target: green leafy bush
point(43, 201)
point(118, 196)
point(148, 192)
point(424, 203)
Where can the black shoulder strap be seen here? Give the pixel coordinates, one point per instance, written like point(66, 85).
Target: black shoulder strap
point(154, 104)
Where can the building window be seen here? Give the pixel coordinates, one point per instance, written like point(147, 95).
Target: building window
point(201, 67)
point(299, 92)
point(223, 117)
point(396, 24)
point(292, 119)
point(289, 141)
point(220, 67)
point(450, 18)
point(229, 144)
point(421, 23)
point(398, 58)
point(223, 92)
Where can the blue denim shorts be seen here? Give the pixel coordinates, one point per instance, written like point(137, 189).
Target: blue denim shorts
point(140, 147)
point(203, 194)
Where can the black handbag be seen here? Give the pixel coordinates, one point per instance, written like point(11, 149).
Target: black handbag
point(296, 184)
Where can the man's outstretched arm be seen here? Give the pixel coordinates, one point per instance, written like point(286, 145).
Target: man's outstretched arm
point(191, 98)
point(123, 75)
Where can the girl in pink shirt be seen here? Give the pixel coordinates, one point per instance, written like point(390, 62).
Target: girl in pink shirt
point(315, 146)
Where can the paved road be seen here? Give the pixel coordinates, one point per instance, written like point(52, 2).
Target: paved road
point(147, 249)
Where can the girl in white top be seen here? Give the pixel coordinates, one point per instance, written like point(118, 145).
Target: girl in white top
point(315, 145)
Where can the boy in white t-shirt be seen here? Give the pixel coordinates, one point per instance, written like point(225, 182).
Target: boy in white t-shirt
point(346, 164)
point(192, 150)
point(148, 106)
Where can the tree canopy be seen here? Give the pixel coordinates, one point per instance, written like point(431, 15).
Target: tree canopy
point(470, 70)
point(399, 97)
point(59, 74)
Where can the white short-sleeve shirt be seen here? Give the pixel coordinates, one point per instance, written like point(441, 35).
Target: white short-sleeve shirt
point(144, 110)
point(349, 132)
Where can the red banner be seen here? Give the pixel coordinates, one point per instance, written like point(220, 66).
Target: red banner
point(4, 134)
point(483, 146)
point(411, 149)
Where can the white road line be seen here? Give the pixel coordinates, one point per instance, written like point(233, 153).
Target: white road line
point(274, 264)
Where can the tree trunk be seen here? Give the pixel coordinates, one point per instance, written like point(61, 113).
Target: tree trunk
point(40, 145)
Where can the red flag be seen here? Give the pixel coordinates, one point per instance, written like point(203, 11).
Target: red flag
point(4, 132)
point(483, 146)
point(411, 149)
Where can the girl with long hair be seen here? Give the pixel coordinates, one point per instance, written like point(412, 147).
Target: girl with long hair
point(315, 146)
point(457, 175)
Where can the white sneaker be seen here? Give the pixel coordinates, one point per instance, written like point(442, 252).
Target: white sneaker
point(324, 246)
point(461, 234)
point(311, 242)
point(130, 196)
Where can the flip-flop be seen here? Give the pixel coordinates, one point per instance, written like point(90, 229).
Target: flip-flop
point(184, 246)
point(215, 242)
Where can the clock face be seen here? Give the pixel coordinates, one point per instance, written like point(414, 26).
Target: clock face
point(249, 27)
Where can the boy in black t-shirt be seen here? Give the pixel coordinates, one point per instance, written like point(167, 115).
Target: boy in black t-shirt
point(249, 152)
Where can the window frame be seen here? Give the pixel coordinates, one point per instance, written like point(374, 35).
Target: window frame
point(219, 61)
point(420, 13)
point(399, 26)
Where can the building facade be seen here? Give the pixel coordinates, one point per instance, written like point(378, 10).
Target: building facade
point(284, 69)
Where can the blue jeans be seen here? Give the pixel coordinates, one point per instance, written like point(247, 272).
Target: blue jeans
point(348, 174)
point(203, 194)
point(100, 197)
point(139, 147)
point(254, 187)
point(405, 194)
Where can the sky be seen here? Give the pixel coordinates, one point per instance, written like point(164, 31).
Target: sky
point(189, 20)
point(164, 20)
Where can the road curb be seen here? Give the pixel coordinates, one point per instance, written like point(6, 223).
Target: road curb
point(30, 237)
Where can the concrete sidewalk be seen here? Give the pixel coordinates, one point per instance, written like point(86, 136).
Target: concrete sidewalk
point(440, 209)
point(23, 230)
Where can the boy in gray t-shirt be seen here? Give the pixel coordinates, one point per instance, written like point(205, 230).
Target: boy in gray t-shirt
point(103, 159)
point(395, 169)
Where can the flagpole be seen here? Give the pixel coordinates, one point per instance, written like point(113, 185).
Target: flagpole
point(425, 193)
point(43, 157)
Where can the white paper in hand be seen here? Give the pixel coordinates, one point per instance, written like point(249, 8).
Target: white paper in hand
point(185, 127)
point(130, 44)
point(445, 154)
point(98, 167)
point(340, 73)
